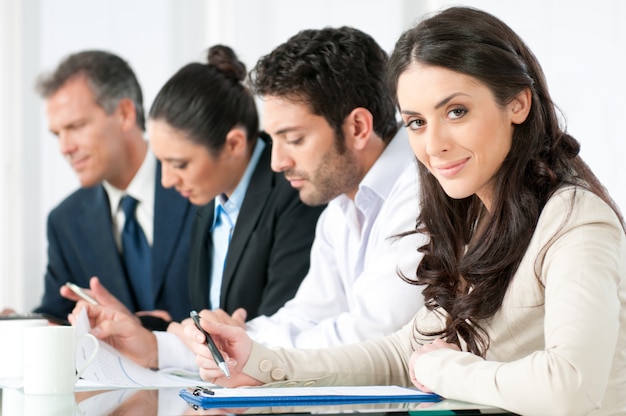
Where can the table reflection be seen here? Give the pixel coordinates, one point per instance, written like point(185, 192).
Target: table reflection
point(167, 402)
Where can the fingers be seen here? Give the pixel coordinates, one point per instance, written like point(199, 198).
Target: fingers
point(217, 315)
point(239, 316)
point(176, 329)
point(68, 294)
point(102, 295)
point(156, 313)
point(73, 316)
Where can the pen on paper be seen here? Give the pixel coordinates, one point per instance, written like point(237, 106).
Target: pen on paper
point(81, 293)
point(217, 356)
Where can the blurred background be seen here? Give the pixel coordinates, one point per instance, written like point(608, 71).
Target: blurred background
point(581, 45)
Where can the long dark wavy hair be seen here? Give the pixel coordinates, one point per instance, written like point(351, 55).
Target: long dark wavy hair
point(542, 159)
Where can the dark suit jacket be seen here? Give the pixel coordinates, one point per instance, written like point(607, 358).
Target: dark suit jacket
point(81, 245)
point(268, 255)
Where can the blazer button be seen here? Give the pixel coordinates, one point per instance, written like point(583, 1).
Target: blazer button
point(278, 374)
point(265, 366)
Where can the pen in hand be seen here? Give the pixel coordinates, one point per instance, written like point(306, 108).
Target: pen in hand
point(217, 356)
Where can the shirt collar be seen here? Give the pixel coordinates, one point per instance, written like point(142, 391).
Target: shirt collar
point(233, 204)
point(141, 187)
point(385, 171)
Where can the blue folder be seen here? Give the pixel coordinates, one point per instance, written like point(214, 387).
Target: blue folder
point(206, 398)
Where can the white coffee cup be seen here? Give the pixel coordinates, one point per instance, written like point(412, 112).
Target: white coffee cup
point(50, 359)
point(11, 346)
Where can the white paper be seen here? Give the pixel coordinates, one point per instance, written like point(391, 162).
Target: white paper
point(110, 369)
point(355, 391)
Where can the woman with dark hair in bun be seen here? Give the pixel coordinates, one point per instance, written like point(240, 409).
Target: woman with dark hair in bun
point(251, 240)
point(252, 236)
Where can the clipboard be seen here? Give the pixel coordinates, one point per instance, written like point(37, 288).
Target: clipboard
point(206, 398)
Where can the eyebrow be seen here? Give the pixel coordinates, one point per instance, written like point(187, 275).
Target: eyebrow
point(447, 99)
point(175, 159)
point(438, 105)
point(286, 130)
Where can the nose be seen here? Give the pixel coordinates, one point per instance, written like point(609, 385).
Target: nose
point(169, 178)
point(281, 161)
point(67, 145)
point(437, 139)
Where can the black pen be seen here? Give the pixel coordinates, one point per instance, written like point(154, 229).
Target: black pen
point(217, 356)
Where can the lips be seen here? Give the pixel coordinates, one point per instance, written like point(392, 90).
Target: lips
point(451, 169)
point(184, 193)
point(295, 182)
point(78, 163)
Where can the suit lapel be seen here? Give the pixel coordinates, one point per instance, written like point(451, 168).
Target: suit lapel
point(259, 189)
point(94, 232)
point(202, 263)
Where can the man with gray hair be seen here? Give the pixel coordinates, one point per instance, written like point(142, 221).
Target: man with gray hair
point(121, 225)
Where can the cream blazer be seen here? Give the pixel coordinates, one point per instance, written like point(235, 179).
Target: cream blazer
point(558, 343)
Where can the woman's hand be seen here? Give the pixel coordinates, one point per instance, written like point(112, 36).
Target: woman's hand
point(437, 344)
point(235, 346)
point(238, 318)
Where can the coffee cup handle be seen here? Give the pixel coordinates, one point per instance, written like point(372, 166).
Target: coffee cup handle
point(80, 371)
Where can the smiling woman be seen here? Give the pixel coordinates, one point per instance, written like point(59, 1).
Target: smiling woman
point(457, 129)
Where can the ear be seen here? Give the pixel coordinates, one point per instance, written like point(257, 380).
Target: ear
point(520, 106)
point(236, 143)
point(127, 113)
point(358, 127)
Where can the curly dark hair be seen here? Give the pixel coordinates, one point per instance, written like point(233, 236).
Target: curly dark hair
point(333, 71)
point(207, 100)
point(542, 159)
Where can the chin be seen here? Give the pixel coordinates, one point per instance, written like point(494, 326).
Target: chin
point(198, 201)
point(457, 195)
point(88, 182)
point(312, 200)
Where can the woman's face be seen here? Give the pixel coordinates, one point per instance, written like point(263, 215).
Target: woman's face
point(187, 166)
point(456, 128)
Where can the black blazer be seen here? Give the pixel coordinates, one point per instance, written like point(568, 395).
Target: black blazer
point(81, 245)
point(268, 255)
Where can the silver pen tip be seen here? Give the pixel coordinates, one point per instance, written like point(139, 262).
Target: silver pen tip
point(224, 369)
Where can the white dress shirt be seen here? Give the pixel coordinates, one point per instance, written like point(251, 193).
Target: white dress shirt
point(352, 291)
point(141, 188)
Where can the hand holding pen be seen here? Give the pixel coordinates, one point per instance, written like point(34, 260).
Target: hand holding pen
point(217, 356)
point(235, 349)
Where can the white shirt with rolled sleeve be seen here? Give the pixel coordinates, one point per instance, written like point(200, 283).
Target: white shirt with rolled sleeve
point(352, 291)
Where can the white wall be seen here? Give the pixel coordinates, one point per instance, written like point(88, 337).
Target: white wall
point(580, 44)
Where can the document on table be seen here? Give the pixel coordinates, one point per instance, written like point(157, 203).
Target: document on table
point(111, 369)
